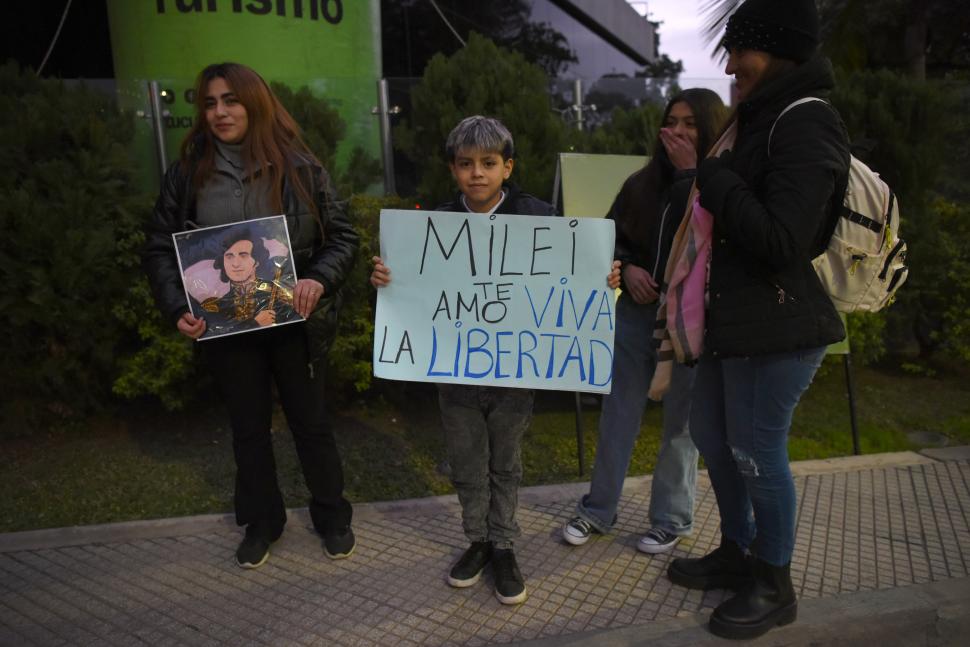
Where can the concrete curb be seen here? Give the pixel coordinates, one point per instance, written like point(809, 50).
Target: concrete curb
point(858, 463)
point(937, 613)
point(540, 494)
point(960, 453)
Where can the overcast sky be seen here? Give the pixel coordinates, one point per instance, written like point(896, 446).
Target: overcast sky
point(680, 38)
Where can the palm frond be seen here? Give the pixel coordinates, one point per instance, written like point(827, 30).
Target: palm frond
point(715, 14)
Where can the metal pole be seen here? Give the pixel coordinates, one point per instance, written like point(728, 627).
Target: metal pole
point(556, 182)
point(847, 362)
point(158, 126)
point(384, 112)
point(578, 102)
point(580, 440)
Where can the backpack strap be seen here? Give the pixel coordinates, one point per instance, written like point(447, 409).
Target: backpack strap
point(835, 208)
point(791, 105)
point(865, 221)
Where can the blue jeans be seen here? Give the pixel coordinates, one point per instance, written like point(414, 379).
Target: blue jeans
point(674, 477)
point(740, 417)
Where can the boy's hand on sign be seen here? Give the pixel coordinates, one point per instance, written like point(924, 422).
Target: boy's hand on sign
point(191, 326)
point(381, 275)
point(640, 284)
point(613, 278)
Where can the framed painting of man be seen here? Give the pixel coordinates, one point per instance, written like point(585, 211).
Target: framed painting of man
point(238, 277)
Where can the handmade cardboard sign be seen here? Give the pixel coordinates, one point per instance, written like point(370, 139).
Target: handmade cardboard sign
point(496, 300)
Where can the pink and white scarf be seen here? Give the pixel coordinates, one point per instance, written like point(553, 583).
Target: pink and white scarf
point(679, 327)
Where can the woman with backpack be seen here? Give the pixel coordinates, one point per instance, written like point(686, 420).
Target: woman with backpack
point(768, 320)
point(244, 159)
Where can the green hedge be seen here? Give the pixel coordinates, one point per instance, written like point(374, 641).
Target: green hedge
point(71, 219)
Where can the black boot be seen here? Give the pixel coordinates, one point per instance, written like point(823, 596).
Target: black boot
point(768, 602)
point(726, 567)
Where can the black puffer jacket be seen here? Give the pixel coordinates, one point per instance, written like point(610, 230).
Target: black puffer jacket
point(647, 245)
point(771, 216)
point(516, 203)
point(325, 256)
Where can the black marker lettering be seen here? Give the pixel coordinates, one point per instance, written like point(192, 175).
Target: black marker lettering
point(468, 237)
point(505, 243)
point(535, 235)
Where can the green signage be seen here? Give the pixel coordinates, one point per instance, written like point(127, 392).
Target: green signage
point(331, 46)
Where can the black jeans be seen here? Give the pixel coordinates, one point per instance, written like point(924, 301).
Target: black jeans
point(243, 366)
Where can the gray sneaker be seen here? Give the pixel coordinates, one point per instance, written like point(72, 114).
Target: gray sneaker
point(657, 540)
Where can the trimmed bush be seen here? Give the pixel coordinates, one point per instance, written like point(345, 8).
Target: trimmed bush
point(349, 362)
point(71, 220)
point(485, 79)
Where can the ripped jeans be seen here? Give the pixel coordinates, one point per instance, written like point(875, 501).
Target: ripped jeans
point(740, 416)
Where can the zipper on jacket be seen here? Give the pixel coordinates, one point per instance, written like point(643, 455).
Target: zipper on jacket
point(782, 295)
point(660, 241)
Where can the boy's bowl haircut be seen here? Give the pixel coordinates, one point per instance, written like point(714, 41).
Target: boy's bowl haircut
point(481, 134)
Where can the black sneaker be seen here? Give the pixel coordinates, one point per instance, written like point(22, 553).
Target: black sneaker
point(253, 551)
point(509, 586)
point(339, 543)
point(469, 566)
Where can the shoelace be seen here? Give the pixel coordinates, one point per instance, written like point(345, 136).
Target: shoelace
point(581, 524)
point(659, 535)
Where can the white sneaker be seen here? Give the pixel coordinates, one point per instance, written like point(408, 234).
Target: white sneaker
point(577, 531)
point(657, 540)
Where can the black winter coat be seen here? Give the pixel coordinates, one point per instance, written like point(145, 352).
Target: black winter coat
point(325, 256)
point(772, 215)
point(647, 245)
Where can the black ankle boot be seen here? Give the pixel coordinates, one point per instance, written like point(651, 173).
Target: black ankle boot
point(725, 568)
point(768, 602)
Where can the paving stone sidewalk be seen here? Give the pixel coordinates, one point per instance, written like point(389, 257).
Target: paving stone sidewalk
point(866, 524)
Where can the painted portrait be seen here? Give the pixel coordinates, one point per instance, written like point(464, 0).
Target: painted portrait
point(239, 277)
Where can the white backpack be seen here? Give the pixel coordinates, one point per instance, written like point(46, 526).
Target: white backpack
point(865, 261)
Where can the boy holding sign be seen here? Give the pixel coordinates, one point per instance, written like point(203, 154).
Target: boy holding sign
point(484, 424)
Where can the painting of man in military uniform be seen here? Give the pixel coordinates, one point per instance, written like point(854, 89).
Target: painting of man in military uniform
point(239, 277)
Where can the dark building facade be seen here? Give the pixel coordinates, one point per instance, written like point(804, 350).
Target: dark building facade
point(588, 39)
point(606, 37)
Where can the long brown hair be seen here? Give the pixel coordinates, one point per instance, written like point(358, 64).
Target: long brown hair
point(648, 185)
point(272, 139)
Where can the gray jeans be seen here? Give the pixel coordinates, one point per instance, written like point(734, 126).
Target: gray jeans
point(483, 433)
